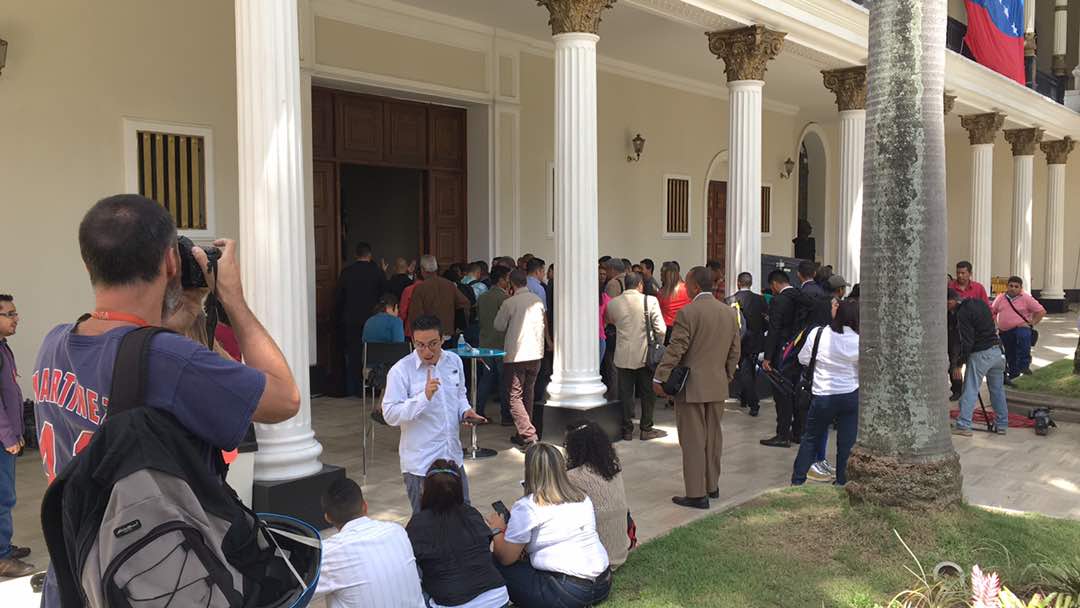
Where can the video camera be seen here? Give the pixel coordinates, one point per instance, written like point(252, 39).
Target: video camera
point(191, 274)
point(1043, 421)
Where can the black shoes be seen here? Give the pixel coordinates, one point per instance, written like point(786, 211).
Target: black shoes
point(955, 396)
point(714, 494)
point(1009, 381)
point(754, 409)
point(517, 440)
point(652, 434)
point(628, 435)
point(776, 441)
point(693, 503)
point(1026, 371)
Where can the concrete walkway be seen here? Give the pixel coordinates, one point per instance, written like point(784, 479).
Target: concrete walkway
point(1020, 471)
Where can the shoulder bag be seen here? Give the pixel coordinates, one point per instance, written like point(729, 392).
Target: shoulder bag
point(804, 392)
point(1034, 332)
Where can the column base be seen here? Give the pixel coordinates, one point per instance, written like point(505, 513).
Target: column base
point(1054, 303)
point(300, 498)
point(608, 415)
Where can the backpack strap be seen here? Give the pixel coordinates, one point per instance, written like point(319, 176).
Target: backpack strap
point(131, 369)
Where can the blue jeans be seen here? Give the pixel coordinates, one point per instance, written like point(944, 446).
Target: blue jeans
point(989, 364)
point(844, 409)
point(7, 500)
point(532, 588)
point(1017, 343)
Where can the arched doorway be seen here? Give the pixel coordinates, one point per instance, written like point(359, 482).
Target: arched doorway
point(812, 208)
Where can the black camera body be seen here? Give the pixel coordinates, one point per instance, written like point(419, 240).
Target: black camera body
point(1043, 421)
point(191, 274)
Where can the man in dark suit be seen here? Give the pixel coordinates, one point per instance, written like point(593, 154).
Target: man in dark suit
point(783, 326)
point(360, 286)
point(815, 305)
point(706, 340)
point(752, 306)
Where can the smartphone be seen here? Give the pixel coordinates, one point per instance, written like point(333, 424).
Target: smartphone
point(501, 509)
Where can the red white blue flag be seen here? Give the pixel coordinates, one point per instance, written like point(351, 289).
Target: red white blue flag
point(995, 35)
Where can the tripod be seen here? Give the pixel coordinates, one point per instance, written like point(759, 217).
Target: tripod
point(991, 427)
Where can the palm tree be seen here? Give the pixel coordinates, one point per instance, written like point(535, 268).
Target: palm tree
point(904, 456)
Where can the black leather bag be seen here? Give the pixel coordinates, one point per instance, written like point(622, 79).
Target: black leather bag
point(676, 382)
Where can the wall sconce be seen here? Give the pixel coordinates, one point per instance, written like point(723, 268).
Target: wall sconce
point(3, 54)
point(789, 166)
point(639, 147)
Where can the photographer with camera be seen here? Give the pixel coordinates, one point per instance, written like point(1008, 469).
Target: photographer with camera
point(130, 248)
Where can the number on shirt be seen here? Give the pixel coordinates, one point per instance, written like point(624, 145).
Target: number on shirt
point(47, 445)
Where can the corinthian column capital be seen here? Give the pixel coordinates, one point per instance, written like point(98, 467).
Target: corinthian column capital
point(1057, 152)
point(746, 50)
point(570, 16)
point(950, 101)
point(849, 86)
point(1024, 141)
point(982, 128)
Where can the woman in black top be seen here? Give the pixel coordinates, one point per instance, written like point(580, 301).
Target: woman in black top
point(452, 545)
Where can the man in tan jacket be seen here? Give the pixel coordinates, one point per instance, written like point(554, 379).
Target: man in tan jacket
point(706, 340)
point(629, 313)
point(521, 316)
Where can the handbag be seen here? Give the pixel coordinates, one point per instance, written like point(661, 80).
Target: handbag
point(654, 349)
point(1034, 332)
point(676, 381)
point(804, 392)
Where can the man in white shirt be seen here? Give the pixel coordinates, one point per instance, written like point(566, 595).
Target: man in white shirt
point(426, 397)
point(368, 563)
point(521, 316)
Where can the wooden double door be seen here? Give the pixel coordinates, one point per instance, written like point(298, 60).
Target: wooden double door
point(354, 129)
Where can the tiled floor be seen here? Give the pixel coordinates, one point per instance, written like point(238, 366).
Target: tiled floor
point(1019, 471)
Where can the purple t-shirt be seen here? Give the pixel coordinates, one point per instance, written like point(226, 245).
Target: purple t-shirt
point(211, 396)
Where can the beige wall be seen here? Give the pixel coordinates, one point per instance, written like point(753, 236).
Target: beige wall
point(683, 132)
point(73, 70)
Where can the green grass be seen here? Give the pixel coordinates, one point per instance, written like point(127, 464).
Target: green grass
point(808, 547)
point(1054, 379)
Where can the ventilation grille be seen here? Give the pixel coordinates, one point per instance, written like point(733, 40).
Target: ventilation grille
point(678, 206)
point(172, 171)
point(766, 209)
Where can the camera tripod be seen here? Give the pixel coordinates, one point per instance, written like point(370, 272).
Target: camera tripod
point(991, 426)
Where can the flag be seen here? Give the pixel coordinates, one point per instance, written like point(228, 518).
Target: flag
point(995, 35)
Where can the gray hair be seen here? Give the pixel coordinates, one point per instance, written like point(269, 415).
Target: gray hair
point(428, 263)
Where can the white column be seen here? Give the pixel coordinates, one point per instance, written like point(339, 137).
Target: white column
point(982, 210)
point(575, 381)
point(744, 180)
point(273, 221)
point(1053, 279)
point(852, 140)
point(1061, 40)
point(1023, 175)
point(1029, 16)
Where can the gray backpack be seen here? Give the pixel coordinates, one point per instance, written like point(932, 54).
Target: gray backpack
point(143, 517)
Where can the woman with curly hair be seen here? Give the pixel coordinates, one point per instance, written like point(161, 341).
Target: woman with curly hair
point(593, 466)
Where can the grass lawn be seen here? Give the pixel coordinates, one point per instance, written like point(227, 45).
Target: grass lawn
point(1054, 379)
point(807, 547)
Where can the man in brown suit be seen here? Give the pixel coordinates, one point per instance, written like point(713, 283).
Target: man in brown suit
point(706, 340)
point(437, 297)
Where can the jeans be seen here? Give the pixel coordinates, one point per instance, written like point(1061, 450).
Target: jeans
point(844, 409)
point(532, 588)
point(1017, 343)
point(414, 485)
point(491, 383)
point(746, 380)
point(641, 378)
point(989, 364)
point(7, 500)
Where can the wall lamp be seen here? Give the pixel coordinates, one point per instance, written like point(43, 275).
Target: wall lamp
point(789, 167)
point(3, 54)
point(639, 147)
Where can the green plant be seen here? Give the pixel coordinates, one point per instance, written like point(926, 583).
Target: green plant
point(1064, 579)
point(1009, 600)
point(927, 593)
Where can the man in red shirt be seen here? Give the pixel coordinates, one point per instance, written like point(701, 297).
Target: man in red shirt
point(966, 288)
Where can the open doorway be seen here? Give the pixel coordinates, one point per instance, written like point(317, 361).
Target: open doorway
point(382, 206)
point(810, 237)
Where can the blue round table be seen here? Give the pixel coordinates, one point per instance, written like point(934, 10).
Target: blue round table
point(474, 356)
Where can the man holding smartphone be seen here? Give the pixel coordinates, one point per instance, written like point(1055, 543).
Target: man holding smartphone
point(426, 397)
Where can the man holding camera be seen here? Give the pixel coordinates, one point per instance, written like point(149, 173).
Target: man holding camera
point(129, 247)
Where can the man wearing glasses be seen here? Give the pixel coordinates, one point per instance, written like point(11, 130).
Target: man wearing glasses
point(426, 397)
point(11, 440)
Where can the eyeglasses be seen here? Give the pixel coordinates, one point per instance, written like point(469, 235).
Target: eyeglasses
point(10, 315)
point(431, 346)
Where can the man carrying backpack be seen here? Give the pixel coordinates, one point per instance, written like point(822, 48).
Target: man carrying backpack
point(752, 308)
point(129, 247)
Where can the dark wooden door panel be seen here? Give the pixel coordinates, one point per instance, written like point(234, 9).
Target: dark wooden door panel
point(322, 123)
point(327, 220)
point(359, 128)
point(446, 144)
point(406, 133)
point(717, 219)
point(446, 213)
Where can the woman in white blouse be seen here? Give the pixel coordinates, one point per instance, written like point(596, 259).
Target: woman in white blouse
point(549, 552)
point(835, 390)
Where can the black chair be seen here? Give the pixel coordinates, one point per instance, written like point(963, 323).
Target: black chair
point(378, 358)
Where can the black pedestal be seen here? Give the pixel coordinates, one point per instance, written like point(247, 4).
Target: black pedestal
point(299, 498)
point(556, 419)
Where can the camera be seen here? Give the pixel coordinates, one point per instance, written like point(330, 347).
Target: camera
point(191, 274)
point(1043, 421)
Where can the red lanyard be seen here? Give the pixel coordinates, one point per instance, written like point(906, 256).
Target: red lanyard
point(107, 315)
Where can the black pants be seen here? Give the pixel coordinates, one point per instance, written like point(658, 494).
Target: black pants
point(746, 380)
point(787, 422)
point(640, 378)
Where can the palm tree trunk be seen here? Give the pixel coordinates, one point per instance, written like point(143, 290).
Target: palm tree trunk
point(904, 456)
